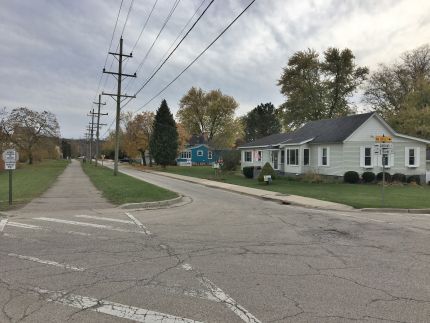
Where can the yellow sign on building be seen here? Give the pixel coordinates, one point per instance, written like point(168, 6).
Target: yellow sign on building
point(383, 138)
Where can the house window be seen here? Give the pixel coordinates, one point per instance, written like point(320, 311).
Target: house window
point(293, 157)
point(385, 160)
point(248, 156)
point(210, 154)
point(324, 157)
point(199, 153)
point(282, 156)
point(306, 156)
point(411, 157)
point(185, 155)
point(367, 157)
point(258, 155)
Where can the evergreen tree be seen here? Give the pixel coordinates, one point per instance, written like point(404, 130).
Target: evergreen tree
point(261, 121)
point(164, 140)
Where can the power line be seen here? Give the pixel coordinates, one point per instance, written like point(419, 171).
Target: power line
point(198, 56)
point(126, 19)
point(144, 25)
point(172, 10)
point(176, 47)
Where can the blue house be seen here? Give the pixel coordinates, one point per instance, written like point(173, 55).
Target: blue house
point(197, 155)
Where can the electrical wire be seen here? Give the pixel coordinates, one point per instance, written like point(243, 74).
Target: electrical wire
point(144, 26)
point(195, 59)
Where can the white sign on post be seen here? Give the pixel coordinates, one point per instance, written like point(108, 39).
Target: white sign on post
point(10, 157)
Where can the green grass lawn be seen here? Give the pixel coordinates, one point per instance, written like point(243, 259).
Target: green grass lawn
point(356, 195)
point(29, 181)
point(123, 189)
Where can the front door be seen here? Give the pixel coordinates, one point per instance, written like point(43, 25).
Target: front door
point(275, 159)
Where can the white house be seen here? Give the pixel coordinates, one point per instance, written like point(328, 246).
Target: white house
point(334, 146)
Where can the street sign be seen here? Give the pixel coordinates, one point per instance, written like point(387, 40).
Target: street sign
point(383, 138)
point(9, 166)
point(10, 157)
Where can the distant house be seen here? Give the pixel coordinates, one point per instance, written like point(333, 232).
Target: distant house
point(200, 154)
point(334, 146)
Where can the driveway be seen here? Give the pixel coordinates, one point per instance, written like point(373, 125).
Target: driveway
point(217, 257)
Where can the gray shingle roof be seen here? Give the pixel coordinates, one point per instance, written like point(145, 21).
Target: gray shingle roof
point(321, 131)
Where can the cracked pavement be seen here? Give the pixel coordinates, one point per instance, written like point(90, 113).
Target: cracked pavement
point(223, 257)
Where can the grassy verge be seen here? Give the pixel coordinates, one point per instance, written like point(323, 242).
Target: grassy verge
point(29, 181)
point(356, 195)
point(123, 189)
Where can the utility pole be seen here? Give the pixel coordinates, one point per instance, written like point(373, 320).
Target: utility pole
point(98, 114)
point(119, 76)
point(91, 130)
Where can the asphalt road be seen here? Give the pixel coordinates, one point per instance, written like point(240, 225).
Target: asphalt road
point(217, 257)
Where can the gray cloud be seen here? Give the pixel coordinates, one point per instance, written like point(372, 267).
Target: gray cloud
point(53, 51)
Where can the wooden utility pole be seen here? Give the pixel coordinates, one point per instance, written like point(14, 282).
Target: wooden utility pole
point(91, 130)
point(98, 114)
point(119, 76)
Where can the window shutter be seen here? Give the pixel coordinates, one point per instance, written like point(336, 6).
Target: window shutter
point(391, 160)
point(406, 156)
point(372, 157)
point(417, 157)
point(328, 156)
point(362, 156)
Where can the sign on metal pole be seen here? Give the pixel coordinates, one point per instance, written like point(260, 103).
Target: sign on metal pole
point(10, 157)
point(383, 146)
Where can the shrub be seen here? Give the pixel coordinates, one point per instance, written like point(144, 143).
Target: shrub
point(312, 177)
point(231, 160)
point(414, 179)
point(399, 177)
point(351, 177)
point(368, 177)
point(248, 171)
point(387, 177)
point(266, 170)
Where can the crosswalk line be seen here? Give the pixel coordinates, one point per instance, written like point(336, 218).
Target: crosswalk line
point(86, 224)
point(102, 218)
point(110, 308)
point(46, 262)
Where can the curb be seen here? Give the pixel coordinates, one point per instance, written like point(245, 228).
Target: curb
point(393, 210)
point(281, 199)
point(150, 205)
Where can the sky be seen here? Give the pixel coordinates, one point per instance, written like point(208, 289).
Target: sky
point(52, 52)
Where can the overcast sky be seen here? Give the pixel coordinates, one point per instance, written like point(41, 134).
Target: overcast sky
point(52, 52)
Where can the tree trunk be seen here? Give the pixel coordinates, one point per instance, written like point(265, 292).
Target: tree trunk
point(142, 154)
point(30, 157)
point(150, 159)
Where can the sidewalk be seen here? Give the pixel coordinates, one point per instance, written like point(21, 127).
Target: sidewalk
point(73, 190)
point(268, 195)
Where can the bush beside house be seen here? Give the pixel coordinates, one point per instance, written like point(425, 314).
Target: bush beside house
point(266, 170)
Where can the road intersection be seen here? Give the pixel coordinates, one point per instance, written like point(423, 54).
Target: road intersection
point(222, 257)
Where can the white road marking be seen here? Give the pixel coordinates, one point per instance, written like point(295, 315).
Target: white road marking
point(138, 223)
point(86, 224)
point(111, 308)
point(24, 226)
point(103, 218)
point(186, 266)
point(3, 224)
point(46, 262)
point(222, 297)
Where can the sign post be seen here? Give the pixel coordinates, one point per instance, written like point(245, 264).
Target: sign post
point(10, 157)
point(383, 147)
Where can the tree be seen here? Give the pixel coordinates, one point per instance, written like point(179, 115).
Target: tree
point(137, 134)
point(66, 148)
point(317, 89)
point(261, 121)
point(164, 140)
point(413, 116)
point(388, 87)
point(183, 136)
point(25, 128)
point(210, 114)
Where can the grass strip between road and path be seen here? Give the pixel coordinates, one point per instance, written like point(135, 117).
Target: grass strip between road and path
point(122, 188)
point(29, 181)
point(356, 195)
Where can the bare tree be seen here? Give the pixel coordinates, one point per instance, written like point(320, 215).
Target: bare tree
point(25, 128)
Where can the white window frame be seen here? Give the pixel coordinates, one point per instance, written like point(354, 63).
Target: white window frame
point(210, 154)
point(320, 156)
point(244, 156)
point(309, 156)
point(363, 157)
point(199, 153)
point(416, 151)
point(296, 150)
point(185, 155)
